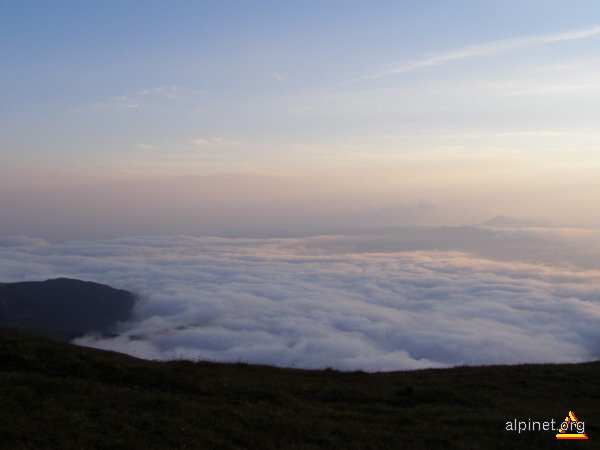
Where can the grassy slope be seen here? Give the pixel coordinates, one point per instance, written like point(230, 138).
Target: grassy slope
point(61, 396)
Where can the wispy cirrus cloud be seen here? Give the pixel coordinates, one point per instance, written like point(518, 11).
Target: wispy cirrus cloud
point(191, 144)
point(165, 91)
point(217, 141)
point(190, 147)
point(276, 76)
point(137, 98)
point(483, 49)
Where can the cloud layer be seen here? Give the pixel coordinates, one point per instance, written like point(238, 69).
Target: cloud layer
point(339, 301)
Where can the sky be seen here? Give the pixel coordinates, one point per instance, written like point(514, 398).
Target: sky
point(363, 185)
point(254, 118)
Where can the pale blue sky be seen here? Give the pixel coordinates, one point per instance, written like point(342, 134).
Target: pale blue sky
point(452, 104)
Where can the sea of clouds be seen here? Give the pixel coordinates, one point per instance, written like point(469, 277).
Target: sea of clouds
point(400, 298)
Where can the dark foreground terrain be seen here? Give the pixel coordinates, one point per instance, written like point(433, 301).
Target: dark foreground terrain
point(56, 395)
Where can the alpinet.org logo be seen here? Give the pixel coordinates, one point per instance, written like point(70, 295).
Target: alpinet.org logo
point(570, 428)
point(570, 424)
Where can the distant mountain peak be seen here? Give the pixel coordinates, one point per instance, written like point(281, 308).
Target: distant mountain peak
point(517, 222)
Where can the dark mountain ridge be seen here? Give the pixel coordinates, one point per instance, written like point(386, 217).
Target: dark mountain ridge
point(69, 305)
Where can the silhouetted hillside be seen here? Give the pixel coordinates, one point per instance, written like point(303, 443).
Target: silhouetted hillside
point(68, 305)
